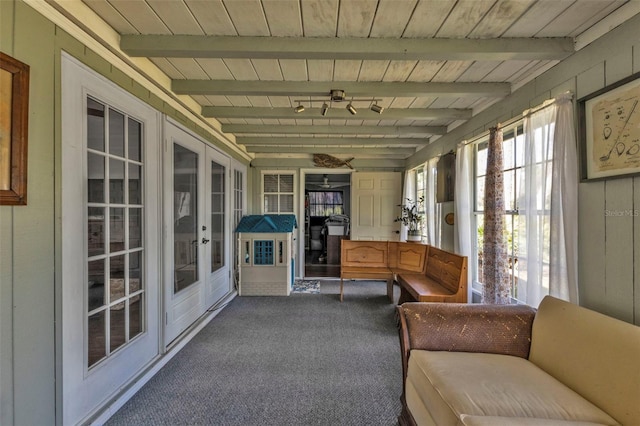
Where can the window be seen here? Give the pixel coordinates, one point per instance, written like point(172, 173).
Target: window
point(421, 188)
point(115, 253)
point(263, 252)
point(514, 234)
point(278, 193)
point(325, 203)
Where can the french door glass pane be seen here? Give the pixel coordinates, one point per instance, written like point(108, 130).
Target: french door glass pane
point(97, 337)
point(116, 133)
point(96, 231)
point(185, 189)
point(96, 284)
point(117, 331)
point(135, 316)
point(217, 216)
point(95, 187)
point(116, 275)
point(135, 140)
point(135, 184)
point(95, 125)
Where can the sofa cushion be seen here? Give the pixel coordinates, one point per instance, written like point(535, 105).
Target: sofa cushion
point(511, 421)
point(596, 355)
point(452, 384)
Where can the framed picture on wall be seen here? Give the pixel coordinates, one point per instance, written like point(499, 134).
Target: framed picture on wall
point(14, 114)
point(610, 130)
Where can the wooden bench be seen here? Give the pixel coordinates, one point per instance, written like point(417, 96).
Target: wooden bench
point(424, 273)
point(380, 260)
point(444, 279)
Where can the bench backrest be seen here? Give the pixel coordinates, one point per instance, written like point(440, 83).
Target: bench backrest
point(448, 269)
point(407, 256)
point(371, 254)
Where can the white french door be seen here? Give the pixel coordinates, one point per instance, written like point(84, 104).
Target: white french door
point(197, 249)
point(110, 227)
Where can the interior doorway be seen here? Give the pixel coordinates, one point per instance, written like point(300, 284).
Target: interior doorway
point(327, 209)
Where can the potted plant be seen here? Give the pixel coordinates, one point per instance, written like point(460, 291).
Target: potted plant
point(410, 218)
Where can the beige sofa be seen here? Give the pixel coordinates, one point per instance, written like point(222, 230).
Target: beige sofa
point(483, 365)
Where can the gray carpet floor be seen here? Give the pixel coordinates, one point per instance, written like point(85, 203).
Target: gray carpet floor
point(306, 359)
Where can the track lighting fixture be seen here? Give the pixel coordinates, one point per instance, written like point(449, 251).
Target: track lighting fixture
point(377, 108)
point(335, 96)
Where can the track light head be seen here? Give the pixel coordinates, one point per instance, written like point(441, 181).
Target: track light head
point(351, 109)
point(377, 108)
point(325, 109)
point(298, 109)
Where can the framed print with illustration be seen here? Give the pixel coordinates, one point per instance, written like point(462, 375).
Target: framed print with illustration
point(610, 130)
point(14, 114)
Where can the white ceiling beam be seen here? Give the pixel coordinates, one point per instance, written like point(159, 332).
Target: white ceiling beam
point(397, 152)
point(266, 160)
point(352, 89)
point(336, 130)
point(496, 49)
point(338, 112)
point(265, 140)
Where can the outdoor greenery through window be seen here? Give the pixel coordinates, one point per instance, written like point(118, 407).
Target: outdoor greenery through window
point(325, 203)
point(514, 230)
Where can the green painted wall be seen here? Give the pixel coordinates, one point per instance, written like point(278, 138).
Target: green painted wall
point(29, 235)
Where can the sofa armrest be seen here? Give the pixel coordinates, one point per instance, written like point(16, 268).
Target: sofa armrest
point(461, 327)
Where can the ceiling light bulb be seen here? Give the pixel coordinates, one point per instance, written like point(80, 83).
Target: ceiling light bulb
point(352, 110)
point(377, 108)
point(325, 109)
point(299, 109)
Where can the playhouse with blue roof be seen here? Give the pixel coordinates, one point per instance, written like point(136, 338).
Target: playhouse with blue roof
point(267, 254)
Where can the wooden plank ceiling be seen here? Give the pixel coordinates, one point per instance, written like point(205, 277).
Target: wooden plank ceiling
point(430, 64)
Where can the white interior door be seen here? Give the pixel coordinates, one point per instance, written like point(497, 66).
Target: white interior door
point(374, 201)
point(197, 225)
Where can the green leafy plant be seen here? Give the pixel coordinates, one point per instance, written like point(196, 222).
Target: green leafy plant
point(410, 216)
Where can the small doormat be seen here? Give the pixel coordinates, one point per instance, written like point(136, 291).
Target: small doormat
point(306, 286)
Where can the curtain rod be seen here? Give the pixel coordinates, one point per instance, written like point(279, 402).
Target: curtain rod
point(511, 121)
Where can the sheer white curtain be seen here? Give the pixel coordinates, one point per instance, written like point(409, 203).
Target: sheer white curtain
point(432, 224)
point(463, 206)
point(564, 205)
point(547, 232)
point(409, 191)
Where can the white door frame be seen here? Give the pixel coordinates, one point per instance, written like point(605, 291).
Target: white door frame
point(301, 209)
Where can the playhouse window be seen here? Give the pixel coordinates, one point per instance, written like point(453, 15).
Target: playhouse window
point(263, 252)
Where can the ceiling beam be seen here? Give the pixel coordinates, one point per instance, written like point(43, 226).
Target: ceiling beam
point(441, 49)
point(338, 112)
point(335, 130)
point(395, 152)
point(323, 88)
point(266, 160)
point(257, 140)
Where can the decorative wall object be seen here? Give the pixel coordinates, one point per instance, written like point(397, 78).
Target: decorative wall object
point(14, 114)
point(326, 160)
point(610, 130)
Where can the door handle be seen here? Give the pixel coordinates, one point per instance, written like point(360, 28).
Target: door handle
point(205, 241)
